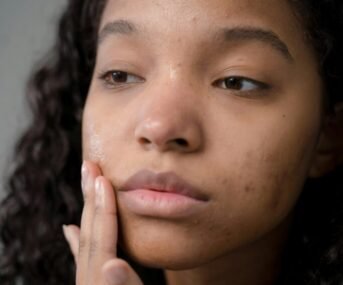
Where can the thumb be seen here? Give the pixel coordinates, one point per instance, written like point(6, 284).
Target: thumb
point(119, 272)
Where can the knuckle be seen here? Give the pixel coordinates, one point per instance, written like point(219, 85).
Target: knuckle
point(94, 248)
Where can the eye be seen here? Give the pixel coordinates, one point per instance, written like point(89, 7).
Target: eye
point(238, 83)
point(119, 78)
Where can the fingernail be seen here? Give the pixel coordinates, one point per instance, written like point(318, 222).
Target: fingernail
point(66, 232)
point(116, 275)
point(84, 177)
point(100, 192)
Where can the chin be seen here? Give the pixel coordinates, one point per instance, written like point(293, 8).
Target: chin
point(166, 259)
point(166, 244)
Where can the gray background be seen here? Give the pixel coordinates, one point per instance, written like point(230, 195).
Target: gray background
point(27, 30)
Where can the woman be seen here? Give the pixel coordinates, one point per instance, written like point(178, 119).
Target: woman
point(210, 141)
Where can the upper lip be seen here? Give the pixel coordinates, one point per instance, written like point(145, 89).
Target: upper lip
point(162, 182)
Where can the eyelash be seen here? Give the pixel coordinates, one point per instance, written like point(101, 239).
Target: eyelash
point(237, 82)
point(107, 78)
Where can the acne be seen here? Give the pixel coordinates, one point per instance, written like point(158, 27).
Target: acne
point(251, 176)
point(195, 19)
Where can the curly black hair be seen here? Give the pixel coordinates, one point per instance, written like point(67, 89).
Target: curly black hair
point(43, 189)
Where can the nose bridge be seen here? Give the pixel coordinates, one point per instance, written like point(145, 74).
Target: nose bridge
point(168, 113)
point(171, 95)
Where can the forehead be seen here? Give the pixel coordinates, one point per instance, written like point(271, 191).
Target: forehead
point(171, 15)
point(177, 9)
point(181, 20)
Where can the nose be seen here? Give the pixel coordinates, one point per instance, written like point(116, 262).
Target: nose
point(169, 122)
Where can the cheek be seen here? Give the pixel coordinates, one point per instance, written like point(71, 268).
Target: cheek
point(260, 182)
point(100, 128)
point(93, 144)
point(104, 142)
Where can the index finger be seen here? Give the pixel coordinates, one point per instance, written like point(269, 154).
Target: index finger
point(103, 243)
point(105, 224)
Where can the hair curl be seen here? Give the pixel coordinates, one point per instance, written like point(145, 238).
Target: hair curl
point(43, 190)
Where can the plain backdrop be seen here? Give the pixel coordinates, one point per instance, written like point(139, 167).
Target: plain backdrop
point(27, 30)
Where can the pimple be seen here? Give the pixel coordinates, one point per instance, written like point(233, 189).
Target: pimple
point(195, 19)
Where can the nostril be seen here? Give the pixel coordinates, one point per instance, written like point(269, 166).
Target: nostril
point(144, 141)
point(181, 142)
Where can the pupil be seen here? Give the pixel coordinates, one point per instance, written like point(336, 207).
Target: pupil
point(119, 76)
point(233, 83)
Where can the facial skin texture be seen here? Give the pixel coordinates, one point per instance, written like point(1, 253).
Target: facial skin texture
point(250, 152)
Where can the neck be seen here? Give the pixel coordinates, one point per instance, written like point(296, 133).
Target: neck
point(258, 263)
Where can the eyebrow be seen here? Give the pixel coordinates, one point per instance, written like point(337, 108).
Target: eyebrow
point(257, 34)
point(118, 27)
point(240, 33)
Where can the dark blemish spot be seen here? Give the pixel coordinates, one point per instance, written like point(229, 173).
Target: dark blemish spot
point(248, 188)
point(284, 116)
point(224, 181)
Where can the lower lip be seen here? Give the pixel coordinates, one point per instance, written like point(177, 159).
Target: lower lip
point(151, 203)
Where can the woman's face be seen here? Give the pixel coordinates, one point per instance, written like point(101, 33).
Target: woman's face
point(223, 93)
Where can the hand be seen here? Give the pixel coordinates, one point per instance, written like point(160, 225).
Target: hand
point(94, 246)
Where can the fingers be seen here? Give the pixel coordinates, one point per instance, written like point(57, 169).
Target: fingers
point(94, 245)
point(119, 272)
point(105, 228)
point(89, 173)
point(104, 237)
point(115, 271)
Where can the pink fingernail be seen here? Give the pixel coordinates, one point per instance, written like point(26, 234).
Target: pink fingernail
point(66, 232)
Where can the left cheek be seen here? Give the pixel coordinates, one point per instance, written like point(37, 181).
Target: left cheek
point(269, 174)
point(281, 172)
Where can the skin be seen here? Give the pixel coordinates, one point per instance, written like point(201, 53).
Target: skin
point(250, 151)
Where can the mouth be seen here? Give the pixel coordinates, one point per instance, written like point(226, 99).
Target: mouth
point(163, 195)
